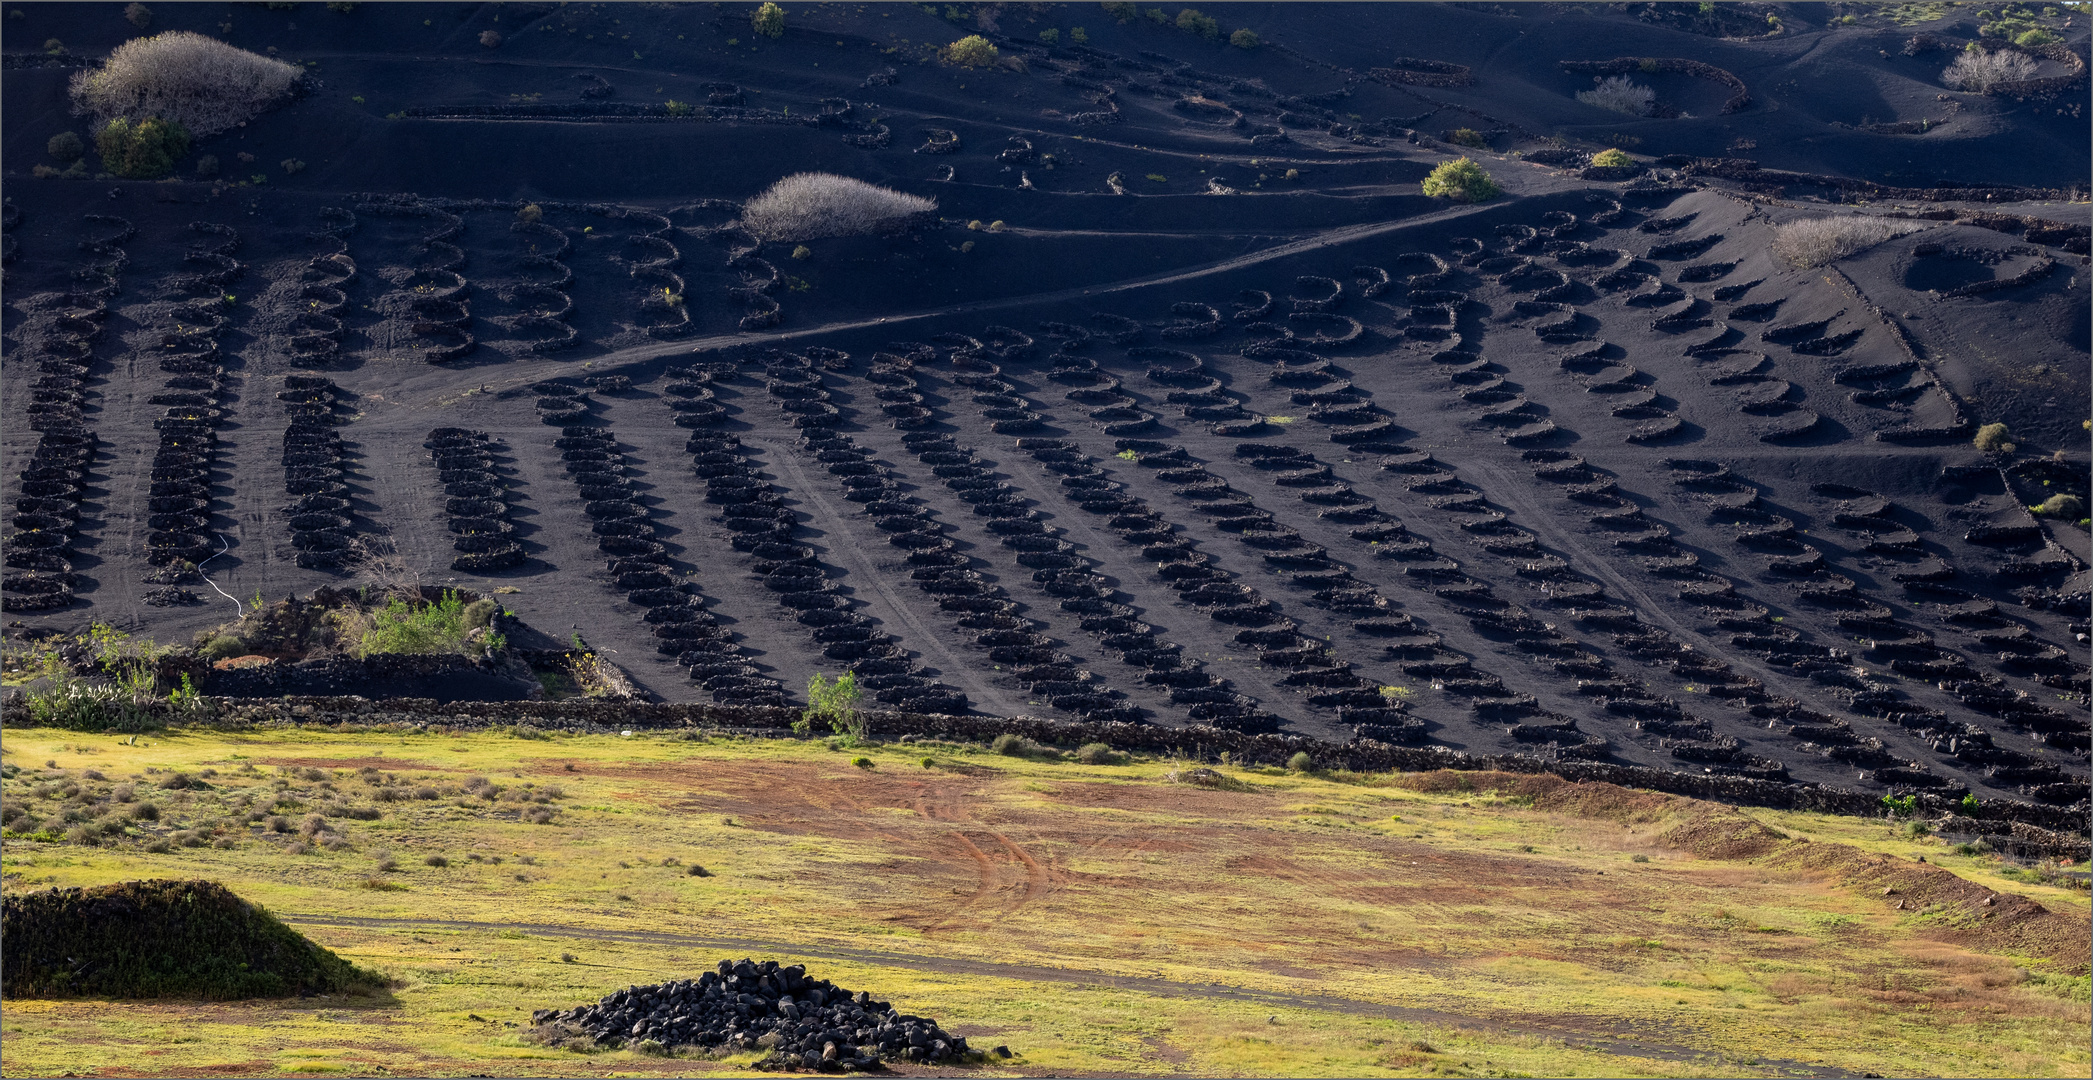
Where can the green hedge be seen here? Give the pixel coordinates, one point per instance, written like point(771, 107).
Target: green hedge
point(150, 939)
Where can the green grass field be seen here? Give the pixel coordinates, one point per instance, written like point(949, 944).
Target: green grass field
point(1097, 919)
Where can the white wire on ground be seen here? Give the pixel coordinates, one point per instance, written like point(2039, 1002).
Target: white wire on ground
point(237, 606)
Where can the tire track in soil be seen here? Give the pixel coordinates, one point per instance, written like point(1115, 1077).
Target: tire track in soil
point(1642, 1048)
point(518, 372)
point(1038, 877)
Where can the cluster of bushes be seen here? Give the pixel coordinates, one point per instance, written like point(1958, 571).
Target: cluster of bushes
point(104, 680)
point(155, 95)
point(1190, 20)
point(1096, 753)
point(298, 809)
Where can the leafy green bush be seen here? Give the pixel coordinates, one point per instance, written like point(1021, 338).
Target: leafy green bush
point(1463, 181)
point(677, 108)
point(1245, 39)
point(1469, 137)
point(66, 146)
point(146, 150)
point(1012, 745)
point(1301, 762)
point(768, 20)
point(972, 51)
point(1195, 21)
point(441, 627)
point(148, 939)
point(1122, 10)
point(1050, 35)
point(838, 703)
point(1098, 753)
point(1993, 438)
point(1611, 159)
point(138, 15)
point(2067, 507)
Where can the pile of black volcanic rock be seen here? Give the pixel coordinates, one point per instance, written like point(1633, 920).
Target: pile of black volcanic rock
point(745, 1006)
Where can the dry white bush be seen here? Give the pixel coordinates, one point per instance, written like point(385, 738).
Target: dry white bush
point(201, 83)
point(1980, 71)
point(1621, 95)
point(1818, 241)
point(809, 206)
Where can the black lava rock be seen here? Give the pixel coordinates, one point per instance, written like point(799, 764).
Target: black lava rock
point(745, 1006)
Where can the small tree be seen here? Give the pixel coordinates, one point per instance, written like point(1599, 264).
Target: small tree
point(1993, 439)
point(1463, 181)
point(973, 51)
point(1245, 39)
point(835, 702)
point(768, 20)
point(146, 150)
point(1611, 159)
point(139, 15)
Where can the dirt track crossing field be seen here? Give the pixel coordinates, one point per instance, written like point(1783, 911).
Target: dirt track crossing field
point(1073, 911)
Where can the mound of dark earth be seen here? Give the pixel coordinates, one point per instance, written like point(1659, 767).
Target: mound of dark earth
point(806, 1023)
point(150, 939)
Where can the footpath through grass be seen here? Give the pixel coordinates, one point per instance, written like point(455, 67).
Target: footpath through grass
point(1449, 931)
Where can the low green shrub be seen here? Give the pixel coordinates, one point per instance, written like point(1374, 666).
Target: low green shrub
point(1098, 753)
point(2067, 507)
point(1013, 745)
point(972, 51)
point(1463, 181)
point(1611, 159)
point(144, 150)
point(1993, 439)
point(66, 146)
point(1195, 21)
point(768, 20)
point(430, 628)
point(1245, 39)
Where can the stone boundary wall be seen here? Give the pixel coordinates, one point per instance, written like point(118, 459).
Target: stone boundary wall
point(1204, 744)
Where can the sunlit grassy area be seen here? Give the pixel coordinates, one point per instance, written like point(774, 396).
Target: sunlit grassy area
point(1508, 936)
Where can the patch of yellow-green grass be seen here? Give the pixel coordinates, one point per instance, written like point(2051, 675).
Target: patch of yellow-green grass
point(1505, 938)
point(1890, 836)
